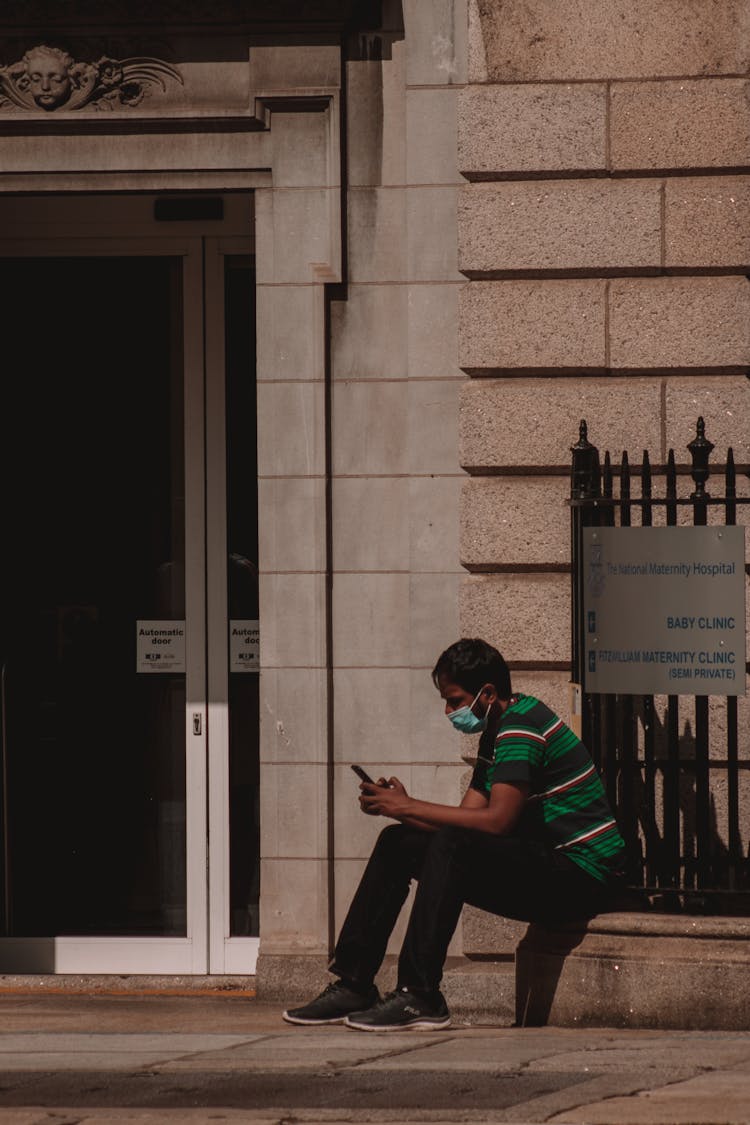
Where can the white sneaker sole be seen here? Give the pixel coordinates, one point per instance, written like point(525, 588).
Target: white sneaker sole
point(416, 1025)
point(310, 1023)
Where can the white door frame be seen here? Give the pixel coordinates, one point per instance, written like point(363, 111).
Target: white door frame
point(226, 954)
point(207, 946)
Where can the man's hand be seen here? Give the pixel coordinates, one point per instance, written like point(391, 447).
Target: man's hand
point(385, 798)
point(497, 815)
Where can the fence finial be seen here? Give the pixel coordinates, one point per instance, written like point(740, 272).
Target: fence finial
point(700, 451)
point(585, 474)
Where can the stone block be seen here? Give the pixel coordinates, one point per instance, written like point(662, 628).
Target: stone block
point(370, 428)
point(433, 619)
point(707, 223)
point(434, 522)
point(566, 226)
point(298, 236)
point(480, 993)
point(294, 906)
point(292, 517)
point(377, 737)
point(388, 738)
point(288, 979)
point(487, 934)
point(532, 326)
point(436, 42)
point(432, 244)
point(301, 150)
point(515, 522)
point(66, 155)
point(286, 410)
point(689, 124)
point(371, 620)
point(293, 723)
point(294, 630)
point(370, 523)
point(431, 136)
point(723, 403)
point(376, 118)
point(477, 60)
point(680, 322)
point(287, 318)
point(368, 333)
point(377, 234)
point(621, 413)
point(285, 67)
point(635, 970)
point(432, 445)
point(534, 40)
point(521, 129)
point(525, 616)
point(432, 335)
point(293, 810)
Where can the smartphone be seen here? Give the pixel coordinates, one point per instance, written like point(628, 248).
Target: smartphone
point(363, 775)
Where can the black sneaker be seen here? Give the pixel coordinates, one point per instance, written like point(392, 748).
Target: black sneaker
point(402, 1009)
point(335, 1002)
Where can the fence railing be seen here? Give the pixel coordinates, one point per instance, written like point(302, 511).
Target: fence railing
point(676, 768)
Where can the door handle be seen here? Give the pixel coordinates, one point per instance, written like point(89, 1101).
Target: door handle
point(197, 722)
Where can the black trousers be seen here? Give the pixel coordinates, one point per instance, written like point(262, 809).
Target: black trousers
point(504, 875)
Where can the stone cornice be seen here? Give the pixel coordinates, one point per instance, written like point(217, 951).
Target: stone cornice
point(176, 14)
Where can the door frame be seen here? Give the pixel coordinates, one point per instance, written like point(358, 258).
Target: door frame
point(226, 954)
point(207, 947)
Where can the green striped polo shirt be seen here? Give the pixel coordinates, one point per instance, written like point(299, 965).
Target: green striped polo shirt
point(567, 805)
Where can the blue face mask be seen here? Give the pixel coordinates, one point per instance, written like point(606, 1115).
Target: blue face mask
point(464, 719)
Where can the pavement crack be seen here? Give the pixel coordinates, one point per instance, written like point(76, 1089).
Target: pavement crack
point(397, 1052)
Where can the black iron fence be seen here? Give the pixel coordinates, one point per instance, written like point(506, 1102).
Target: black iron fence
point(676, 767)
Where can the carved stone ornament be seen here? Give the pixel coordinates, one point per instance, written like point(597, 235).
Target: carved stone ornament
point(49, 78)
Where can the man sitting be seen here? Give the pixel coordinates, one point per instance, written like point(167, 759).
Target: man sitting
point(533, 839)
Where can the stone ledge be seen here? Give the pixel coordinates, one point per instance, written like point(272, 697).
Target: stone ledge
point(123, 984)
point(669, 925)
point(636, 970)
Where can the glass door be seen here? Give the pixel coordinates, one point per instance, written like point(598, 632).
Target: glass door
point(129, 605)
point(102, 612)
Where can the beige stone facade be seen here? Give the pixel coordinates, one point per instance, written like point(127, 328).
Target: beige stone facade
point(474, 223)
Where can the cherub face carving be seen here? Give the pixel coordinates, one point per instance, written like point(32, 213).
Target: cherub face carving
point(48, 75)
point(49, 78)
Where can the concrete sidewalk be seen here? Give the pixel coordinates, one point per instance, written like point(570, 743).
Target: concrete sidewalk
point(143, 1058)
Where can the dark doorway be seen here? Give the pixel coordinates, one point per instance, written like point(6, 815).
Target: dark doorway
point(92, 486)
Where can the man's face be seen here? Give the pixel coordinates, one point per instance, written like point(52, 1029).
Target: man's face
point(454, 695)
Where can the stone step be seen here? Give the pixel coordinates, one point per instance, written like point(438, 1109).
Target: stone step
point(481, 992)
point(645, 970)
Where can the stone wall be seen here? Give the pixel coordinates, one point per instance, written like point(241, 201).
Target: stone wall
point(603, 231)
point(396, 478)
point(604, 235)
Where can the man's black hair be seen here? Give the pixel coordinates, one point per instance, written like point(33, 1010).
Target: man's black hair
point(471, 663)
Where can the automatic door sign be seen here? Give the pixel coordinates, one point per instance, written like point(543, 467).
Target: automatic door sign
point(160, 646)
point(244, 646)
point(664, 610)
